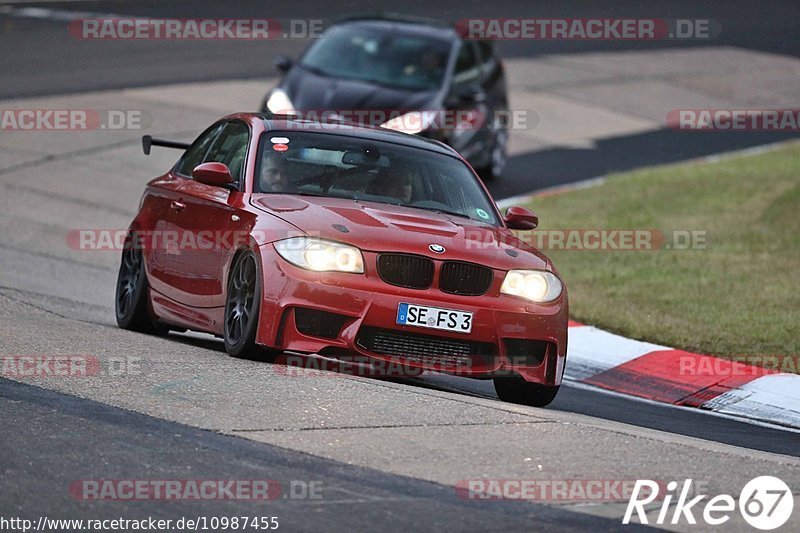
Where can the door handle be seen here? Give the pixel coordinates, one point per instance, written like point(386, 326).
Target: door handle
point(177, 206)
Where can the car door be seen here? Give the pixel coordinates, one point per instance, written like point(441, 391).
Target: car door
point(466, 98)
point(164, 199)
point(204, 220)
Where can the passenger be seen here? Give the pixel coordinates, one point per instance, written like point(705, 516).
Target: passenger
point(394, 182)
point(433, 64)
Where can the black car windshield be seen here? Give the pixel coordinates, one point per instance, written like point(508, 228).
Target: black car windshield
point(387, 57)
point(339, 166)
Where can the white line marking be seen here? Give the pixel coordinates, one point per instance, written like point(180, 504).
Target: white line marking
point(774, 397)
point(592, 350)
point(750, 421)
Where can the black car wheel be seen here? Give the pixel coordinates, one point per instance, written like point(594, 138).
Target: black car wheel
point(517, 390)
point(131, 295)
point(242, 306)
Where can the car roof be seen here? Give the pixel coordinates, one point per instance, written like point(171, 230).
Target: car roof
point(419, 26)
point(376, 133)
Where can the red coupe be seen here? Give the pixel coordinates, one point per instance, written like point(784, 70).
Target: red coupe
point(282, 234)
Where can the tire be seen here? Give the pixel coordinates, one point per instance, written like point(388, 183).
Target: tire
point(242, 305)
point(517, 390)
point(130, 302)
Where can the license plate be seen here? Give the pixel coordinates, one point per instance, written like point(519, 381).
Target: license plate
point(434, 317)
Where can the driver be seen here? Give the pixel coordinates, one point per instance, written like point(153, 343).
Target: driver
point(395, 182)
point(273, 175)
point(431, 67)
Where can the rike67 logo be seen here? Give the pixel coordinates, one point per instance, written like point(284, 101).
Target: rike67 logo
point(765, 503)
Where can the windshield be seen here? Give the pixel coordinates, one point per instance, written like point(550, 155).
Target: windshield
point(338, 166)
point(391, 58)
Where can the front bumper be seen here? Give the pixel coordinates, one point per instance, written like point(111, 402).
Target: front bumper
point(358, 317)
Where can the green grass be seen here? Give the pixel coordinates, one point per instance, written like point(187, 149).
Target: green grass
point(739, 296)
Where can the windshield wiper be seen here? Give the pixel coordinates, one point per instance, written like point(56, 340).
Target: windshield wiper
point(440, 211)
point(357, 199)
point(454, 213)
point(304, 193)
point(389, 84)
point(316, 70)
point(381, 83)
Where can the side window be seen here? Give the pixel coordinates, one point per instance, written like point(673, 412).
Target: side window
point(486, 54)
point(230, 148)
point(195, 154)
point(467, 70)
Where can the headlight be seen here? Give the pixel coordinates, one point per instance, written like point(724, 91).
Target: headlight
point(412, 122)
point(535, 285)
point(320, 255)
point(279, 103)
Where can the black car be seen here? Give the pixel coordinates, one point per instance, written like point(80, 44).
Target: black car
point(411, 76)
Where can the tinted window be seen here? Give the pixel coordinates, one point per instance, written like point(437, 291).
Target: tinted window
point(195, 154)
point(230, 148)
point(395, 58)
point(369, 171)
point(466, 63)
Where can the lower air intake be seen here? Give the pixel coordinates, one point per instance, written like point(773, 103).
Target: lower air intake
point(428, 349)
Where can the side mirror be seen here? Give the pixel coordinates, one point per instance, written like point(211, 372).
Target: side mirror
point(521, 218)
point(283, 64)
point(215, 174)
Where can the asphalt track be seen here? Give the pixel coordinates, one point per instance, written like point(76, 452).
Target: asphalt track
point(50, 439)
point(83, 434)
point(41, 58)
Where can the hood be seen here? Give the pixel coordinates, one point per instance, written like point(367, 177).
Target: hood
point(310, 92)
point(388, 228)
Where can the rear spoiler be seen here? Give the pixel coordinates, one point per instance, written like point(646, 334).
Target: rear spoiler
point(148, 141)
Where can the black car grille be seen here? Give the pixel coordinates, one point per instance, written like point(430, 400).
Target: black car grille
point(427, 349)
point(403, 270)
point(467, 279)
